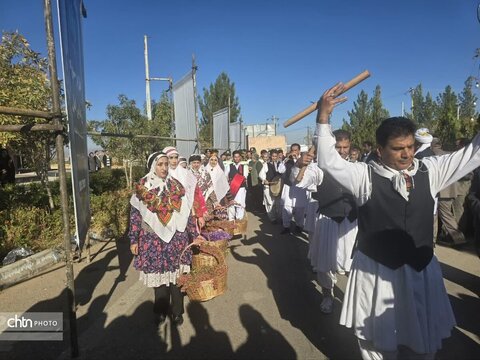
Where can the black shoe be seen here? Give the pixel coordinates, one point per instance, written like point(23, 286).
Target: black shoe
point(177, 320)
point(298, 229)
point(159, 319)
point(285, 231)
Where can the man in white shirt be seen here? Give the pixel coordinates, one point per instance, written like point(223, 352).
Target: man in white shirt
point(395, 294)
point(237, 177)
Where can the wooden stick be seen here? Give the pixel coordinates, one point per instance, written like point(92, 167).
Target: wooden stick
point(348, 85)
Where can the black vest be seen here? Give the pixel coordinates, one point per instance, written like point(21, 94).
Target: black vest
point(334, 201)
point(288, 170)
point(393, 231)
point(425, 153)
point(271, 173)
point(233, 171)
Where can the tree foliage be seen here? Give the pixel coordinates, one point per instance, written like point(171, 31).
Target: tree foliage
point(24, 84)
point(365, 117)
point(126, 118)
point(216, 98)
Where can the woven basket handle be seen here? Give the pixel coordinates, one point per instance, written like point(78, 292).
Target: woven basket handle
point(220, 258)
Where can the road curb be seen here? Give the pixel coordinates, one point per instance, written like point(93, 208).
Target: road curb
point(29, 267)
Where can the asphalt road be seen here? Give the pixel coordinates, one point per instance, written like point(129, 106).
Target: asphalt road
point(270, 310)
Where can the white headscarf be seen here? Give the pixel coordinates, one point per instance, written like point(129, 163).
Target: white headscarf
point(423, 137)
point(219, 180)
point(179, 219)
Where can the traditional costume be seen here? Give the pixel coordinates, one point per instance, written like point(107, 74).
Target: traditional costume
point(395, 293)
point(237, 178)
point(161, 225)
point(335, 230)
point(271, 170)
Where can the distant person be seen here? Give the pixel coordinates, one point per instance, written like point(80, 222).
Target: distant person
point(92, 164)
point(423, 142)
point(7, 168)
point(107, 160)
point(98, 160)
point(354, 154)
point(367, 151)
point(237, 178)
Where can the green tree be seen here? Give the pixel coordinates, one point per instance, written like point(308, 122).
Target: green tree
point(161, 124)
point(466, 111)
point(125, 119)
point(360, 124)
point(447, 126)
point(377, 112)
point(216, 98)
point(24, 84)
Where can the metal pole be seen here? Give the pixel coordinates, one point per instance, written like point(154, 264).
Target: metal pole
point(194, 76)
point(59, 142)
point(147, 79)
point(172, 110)
point(228, 132)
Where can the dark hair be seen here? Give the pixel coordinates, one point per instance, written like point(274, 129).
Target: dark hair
point(369, 143)
point(341, 135)
point(394, 127)
point(294, 144)
point(354, 148)
point(263, 152)
point(273, 151)
point(194, 157)
point(237, 152)
point(152, 158)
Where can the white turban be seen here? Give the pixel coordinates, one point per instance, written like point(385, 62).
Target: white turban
point(423, 136)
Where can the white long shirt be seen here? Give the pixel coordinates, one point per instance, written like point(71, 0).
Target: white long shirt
point(443, 170)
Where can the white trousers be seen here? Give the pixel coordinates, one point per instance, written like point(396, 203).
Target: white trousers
point(298, 213)
point(271, 203)
point(368, 352)
point(238, 212)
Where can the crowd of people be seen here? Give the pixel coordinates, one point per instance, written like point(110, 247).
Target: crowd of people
point(99, 159)
point(372, 214)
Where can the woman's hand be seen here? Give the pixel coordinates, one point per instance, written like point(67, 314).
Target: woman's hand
point(134, 249)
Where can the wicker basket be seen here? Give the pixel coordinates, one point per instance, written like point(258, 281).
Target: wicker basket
point(202, 259)
point(240, 226)
point(208, 287)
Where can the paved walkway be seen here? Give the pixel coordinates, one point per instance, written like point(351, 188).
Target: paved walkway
point(270, 311)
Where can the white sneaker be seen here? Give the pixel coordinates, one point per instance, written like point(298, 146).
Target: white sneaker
point(326, 306)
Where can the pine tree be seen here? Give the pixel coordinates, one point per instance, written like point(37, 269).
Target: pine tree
point(216, 98)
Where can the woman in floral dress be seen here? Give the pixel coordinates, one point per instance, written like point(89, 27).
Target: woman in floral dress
point(161, 227)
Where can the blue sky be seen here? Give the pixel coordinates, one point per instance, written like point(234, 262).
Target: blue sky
point(280, 54)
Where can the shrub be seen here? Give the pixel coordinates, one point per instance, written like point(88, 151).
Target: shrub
point(107, 180)
point(110, 213)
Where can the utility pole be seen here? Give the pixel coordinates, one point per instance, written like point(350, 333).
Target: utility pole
point(411, 91)
point(308, 138)
point(147, 79)
point(403, 108)
point(274, 120)
point(194, 77)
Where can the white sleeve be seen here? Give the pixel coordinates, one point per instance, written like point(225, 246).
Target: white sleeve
point(354, 177)
point(444, 170)
point(227, 170)
point(281, 167)
point(262, 175)
point(312, 178)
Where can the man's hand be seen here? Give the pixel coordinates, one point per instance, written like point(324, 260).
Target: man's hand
point(305, 159)
point(134, 249)
point(328, 101)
